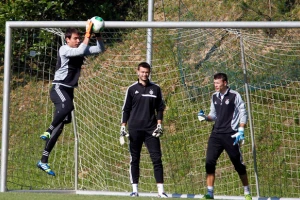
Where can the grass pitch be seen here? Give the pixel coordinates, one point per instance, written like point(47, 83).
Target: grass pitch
point(49, 196)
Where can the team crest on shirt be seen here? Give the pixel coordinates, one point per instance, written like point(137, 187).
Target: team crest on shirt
point(151, 92)
point(227, 101)
point(136, 92)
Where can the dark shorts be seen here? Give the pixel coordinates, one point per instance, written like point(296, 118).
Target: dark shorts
point(217, 143)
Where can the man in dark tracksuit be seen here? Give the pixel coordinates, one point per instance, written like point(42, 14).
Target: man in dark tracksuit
point(143, 112)
point(228, 111)
point(67, 72)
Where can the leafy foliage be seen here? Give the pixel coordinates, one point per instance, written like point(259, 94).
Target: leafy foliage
point(73, 10)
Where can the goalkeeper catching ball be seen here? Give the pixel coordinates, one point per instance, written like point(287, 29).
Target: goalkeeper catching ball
point(69, 61)
point(227, 110)
point(143, 111)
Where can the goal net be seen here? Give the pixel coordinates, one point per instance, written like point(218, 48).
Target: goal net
point(184, 61)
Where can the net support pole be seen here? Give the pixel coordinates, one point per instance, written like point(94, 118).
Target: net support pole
point(75, 151)
point(249, 113)
point(149, 32)
point(5, 109)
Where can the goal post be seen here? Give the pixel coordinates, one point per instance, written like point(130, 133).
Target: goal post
point(194, 51)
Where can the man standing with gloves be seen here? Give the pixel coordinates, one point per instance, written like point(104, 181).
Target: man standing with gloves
point(228, 111)
point(143, 112)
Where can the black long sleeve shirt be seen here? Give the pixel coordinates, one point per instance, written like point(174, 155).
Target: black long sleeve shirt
point(143, 106)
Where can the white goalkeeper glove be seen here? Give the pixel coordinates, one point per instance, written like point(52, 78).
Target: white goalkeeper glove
point(158, 131)
point(239, 136)
point(123, 134)
point(202, 116)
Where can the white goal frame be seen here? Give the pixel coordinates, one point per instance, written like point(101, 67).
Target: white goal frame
point(112, 24)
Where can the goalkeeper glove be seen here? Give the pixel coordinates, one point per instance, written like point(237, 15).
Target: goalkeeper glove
point(202, 116)
point(239, 136)
point(158, 131)
point(88, 28)
point(123, 134)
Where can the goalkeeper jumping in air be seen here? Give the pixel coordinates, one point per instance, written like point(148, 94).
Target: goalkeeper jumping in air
point(228, 111)
point(69, 61)
point(143, 111)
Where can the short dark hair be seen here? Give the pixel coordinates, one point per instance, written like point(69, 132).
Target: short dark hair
point(70, 31)
point(222, 76)
point(144, 65)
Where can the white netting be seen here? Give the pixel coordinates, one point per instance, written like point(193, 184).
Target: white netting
point(184, 61)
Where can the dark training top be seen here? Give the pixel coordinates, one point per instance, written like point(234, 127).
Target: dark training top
point(69, 62)
point(141, 103)
point(228, 112)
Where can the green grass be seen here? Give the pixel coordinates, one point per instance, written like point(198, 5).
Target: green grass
point(55, 196)
point(50, 196)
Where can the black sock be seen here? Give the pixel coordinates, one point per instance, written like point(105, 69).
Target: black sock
point(45, 157)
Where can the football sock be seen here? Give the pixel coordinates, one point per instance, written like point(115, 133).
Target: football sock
point(135, 187)
point(160, 188)
point(210, 190)
point(50, 129)
point(246, 190)
point(45, 157)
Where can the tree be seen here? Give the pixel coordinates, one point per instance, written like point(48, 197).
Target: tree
point(73, 10)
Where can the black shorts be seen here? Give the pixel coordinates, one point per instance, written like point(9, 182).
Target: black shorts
point(217, 143)
point(62, 97)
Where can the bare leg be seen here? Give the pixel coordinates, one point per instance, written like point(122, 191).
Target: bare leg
point(244, 179)
point(210, 179)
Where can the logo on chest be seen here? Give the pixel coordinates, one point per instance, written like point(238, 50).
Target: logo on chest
point(151, 92)
point(227, 101)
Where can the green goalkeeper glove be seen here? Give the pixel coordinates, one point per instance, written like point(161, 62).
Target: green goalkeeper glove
point(239, 136)
point(123, 134)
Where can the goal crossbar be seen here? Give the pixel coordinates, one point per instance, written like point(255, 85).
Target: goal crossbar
point(157, 24)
